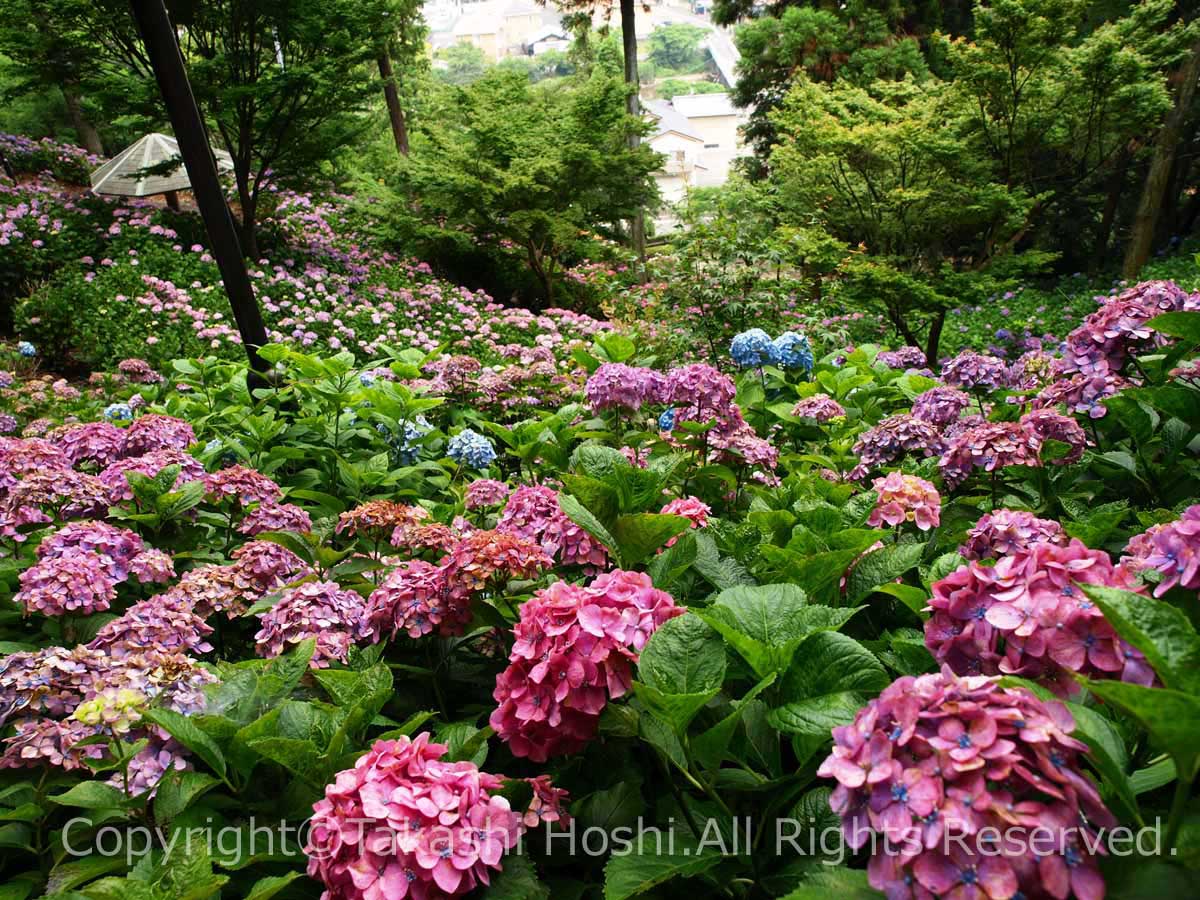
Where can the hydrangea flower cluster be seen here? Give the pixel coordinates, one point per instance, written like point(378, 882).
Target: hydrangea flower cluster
point(484, 493)
point(100, 443)
point(157, 432)
point(906, 498)
point(242, 485)
point(79, 567)
point(404, 822)
point(1082, 393)
point(1032, 602)
point(892, 439)
point(698, 393)
point(379, 518)
point(418, 597)
point(820, 407)
point(405, 442)
point(574, 649)
point(793, 351)
point(753, 349)
point(618, 386)
point(940, 405)
point(1004, 532)
point(532, 512)
point(989, 446)
point(471, 449)
point(970, 370)
point(937, 765)
point(907, 357)
point(271, 516)
point(115, 480)
point(1172, 549)
point(1107, 337)
point(1049, 425)
point(314, 609)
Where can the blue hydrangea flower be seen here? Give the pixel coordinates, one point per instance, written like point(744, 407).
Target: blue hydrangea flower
point(119, 412)
point(470, 448)
point(666, 421)
point(366, 379)
point(753, 349)
point(793, 351)
point(26, 349)
point(212, 446)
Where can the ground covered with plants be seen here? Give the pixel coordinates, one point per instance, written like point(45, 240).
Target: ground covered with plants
point(466, 599)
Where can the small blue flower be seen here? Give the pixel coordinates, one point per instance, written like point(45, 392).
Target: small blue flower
point(118, 412)
point(26, 349)
point(753, 349)
point(1003, 334)
point(793, 351)
point(471, 448)
point(666, 421)
point(406, 446)
point(212, 446)
point(366, 379)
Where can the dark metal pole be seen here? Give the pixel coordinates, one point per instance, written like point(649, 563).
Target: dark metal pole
point(162, 46)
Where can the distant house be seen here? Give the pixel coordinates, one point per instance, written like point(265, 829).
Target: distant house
point(681, 144)
point(548, 37)
point(480, 26)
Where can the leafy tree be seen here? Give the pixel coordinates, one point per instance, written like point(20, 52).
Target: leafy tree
point(401, 39)
point(676, 47)
point(884, 170)
point(860, 40)
point(513, 164)
point(671, 87)
point(464, 63)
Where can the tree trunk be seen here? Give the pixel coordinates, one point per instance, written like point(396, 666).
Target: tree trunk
point(1168, 217)
point(392, 96)
point(1154, 189)
point(249, 201)
point(933, 339)
point(1112, 202)
point(637, 225)
point(88, 135)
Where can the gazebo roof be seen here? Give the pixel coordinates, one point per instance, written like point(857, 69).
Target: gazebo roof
point(120, 175)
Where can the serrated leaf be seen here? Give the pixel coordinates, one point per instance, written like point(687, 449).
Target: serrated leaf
point(827, 685)
point(643, 868)
point(640, 534)
point(189, 734)
point(1159, 630)
point(881, 566)
point(684, 656)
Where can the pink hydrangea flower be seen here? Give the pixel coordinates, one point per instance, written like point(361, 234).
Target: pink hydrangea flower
point(1006, 531)
point(892, 439)
point(906, 498)
point(314, 609)
point(938, 765)
point(272, 516)
point(1028, 616)
point(1173, 549)
point(152, 432)
point(485, 493)
point(971, 370)
point(574, 649)
point(90, 442)
point(113, 477)
point(820, 407)
point(244, 485)
point(406, 823)
point(618, 386)
point(532, 511)
point(940, 405)
point(988, 447)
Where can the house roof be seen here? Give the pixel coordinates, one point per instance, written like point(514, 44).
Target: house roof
point(702, 106)
point(120, 175)
point(483, 22)
point(556, 32)
point(667, 118)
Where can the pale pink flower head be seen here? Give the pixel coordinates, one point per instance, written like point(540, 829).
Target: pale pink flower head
point(316, 609)
point(906, 498)
point(1006, 531)
point(243, 485)
point(153, 431)
point(1172, 549)
point(820, 407)
point(484, 493)
point(693, 509)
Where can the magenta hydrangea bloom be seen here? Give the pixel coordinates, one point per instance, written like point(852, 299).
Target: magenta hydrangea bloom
point(575, 647)
point(1048, 425)
point(971, 370)
point(152, 432)
point(272, 516)
point(90, 442)
point(906, 498)
point(314, 609)
point(618, 386)
point(414, 598)
point(268, 565)
point(698, 392)
point(1082, 393)
point(907, 357)
point(892, 439)
point(1173, 549)
point(937, 767)
point(484, 493)
point(1031, 601)
point(820, 407)
point(1003, 532)
point(44, 497)
point(1107, 337)
point(532, 512)
point(405, 823)
point(113, 477)
point(79, 584)
point(244, 485)
point(166, 622)
point(940, 405)
point(988, 447)
point(25, 456)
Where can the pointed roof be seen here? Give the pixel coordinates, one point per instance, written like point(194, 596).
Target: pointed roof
point(667, 118)
point(120, 175)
